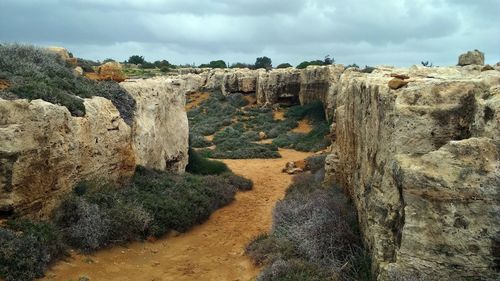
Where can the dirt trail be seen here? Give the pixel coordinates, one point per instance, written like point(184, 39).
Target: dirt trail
point(211, 251)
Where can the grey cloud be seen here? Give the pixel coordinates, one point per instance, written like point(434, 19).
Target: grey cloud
point(185, 31)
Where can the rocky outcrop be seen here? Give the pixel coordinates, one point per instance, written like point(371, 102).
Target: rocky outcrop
point(160, 130)
point(317, 83)
point(475, 57)
point(110, 71)
point(44, 151)
point(421, 164)
point(229, 81)
point(278, 86)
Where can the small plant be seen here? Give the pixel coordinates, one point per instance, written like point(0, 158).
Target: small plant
point(202, 166)
point(28, 248)
point(426, 63)
point(284, 65)
point(313, 237)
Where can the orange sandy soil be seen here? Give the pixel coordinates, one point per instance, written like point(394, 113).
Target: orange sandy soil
point(279, 115)
point(4, 84)
point(213, 250)
point(304, 127)
point(195, 99)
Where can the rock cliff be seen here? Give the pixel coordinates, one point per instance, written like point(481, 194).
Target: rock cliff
point(44, 151)
point(160, 130)
point(420, 159)
point(421, 164)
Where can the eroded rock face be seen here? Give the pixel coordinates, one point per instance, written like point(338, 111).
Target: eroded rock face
point(471, 57)
point(422, 166)
point(44, 152)
point(160, 130)
point(229, 81)
point(278, 86)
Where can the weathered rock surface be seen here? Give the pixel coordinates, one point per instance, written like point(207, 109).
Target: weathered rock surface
point(44, 151)
point(471, 57)
point(160, 130)
point(278, 86)
point(111, 71)
point(229, 81)
point(318, 82)
point(421, 164)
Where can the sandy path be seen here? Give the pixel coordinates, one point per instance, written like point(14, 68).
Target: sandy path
point(211, 251)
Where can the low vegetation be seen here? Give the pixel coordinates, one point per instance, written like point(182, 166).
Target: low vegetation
point(34, 73)
point(28, 248)
point(314, 236)
point(237, 128)
point(95, 216)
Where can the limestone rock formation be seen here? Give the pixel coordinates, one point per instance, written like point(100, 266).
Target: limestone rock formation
point(44, 152)
point(278, 86)
point(160, 130)
point(471, 57)
point(63, 53)
point(318, 82)
point(422, 167)
point(229, 81)
point(111, 71)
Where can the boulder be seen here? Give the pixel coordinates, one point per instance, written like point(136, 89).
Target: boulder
point(78, 71)
point(471, 57)
point(262, 136)
point(397, 83)
point(487, 68)
point(111, 71)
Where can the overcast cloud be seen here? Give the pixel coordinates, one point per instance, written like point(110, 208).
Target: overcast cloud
point(399, 32)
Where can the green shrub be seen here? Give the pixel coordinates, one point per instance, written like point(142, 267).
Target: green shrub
point(178, 202)
point(82, 224)
point(198, 141)
point(316, 162)
point(313, 141)
point(215, 64)
point(27, 249)
point(313, 112)
point(35, 73)
point(202, 166)
point(284, 65)
point(313, 236)
point(305, 64)
point(237, 100)
point(241, 183)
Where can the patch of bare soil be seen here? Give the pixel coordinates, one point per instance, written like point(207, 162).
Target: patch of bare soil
point(279, 115)
point(194, 99)
point(304, 127)
point(4, 84)
point(211, 251)
point(251, 99)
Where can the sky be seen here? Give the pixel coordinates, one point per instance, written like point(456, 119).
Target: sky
point(365, 32)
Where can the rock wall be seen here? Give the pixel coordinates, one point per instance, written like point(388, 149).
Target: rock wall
point(44, 151)
point(160, 130)
point(421, 164)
